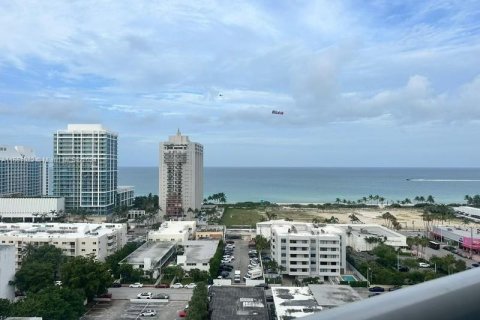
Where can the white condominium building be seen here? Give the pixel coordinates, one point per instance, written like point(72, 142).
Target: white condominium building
point(7, 272)
point(75, 239)
point(180, 176)
point(85, 167)
point(22, 173)
point(173, 231)
point(308, 250)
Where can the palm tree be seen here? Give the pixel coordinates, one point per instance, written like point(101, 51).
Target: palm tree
point(422, 199)
point(222, 197)
point(430, 199)
point(468, 199)
point(337, 201)
point(332, 220)
point(316, 220)
point(353, 218)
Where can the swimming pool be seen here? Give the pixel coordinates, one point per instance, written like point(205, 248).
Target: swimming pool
point(349, 278)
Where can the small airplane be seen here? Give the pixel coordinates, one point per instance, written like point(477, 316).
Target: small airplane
point(220, 95)
point(277, 112)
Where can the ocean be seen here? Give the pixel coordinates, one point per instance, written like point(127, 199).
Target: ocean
point(318, 185)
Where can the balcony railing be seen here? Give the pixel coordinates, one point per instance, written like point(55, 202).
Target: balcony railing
point(452, 297)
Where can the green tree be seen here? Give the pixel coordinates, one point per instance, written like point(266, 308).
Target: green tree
point(87, 274)
point(261, 243)
point(6, 308)
point(34, 276)
point(198, 305)
point(128, 274)
point(51, 303)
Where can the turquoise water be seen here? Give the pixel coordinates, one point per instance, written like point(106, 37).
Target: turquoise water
point(310, 185)
point(348, 277)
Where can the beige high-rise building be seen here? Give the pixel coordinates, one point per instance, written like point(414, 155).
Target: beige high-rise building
point(180, 176)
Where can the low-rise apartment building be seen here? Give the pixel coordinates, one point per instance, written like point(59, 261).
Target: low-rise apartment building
point(176, 231)
point(308, 250)
point(197, 254)
point(125, 195)
point(75, 239)
point(216, 232)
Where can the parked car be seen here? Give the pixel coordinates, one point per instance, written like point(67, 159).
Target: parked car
point(148, 313)
point(230, 242)
point(226, 268)
point(226, 260)
point(266, 259)
point(116, 285)
point(475, 265)
point(177, 285)
point(190, 286)
point(224, 274)
point(269, 298)
point(161, 296)
point(376, 289)
point(136, 285)
point(144, 295)
point(182, 314)
point(162, 285)
point(423, 265)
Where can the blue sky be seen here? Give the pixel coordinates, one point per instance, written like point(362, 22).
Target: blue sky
point(361, 83)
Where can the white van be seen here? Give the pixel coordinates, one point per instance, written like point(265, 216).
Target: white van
point(237, 278)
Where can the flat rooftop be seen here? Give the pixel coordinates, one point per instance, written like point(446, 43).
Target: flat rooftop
point(200, 250)
point(306, 229)
point(237, 303)
point(57, 230)
point(461, 232)
point(210, 228)
point(154, 250)
point(174, 227)
point(370, 230)
point(329, 296)
point(294, 302)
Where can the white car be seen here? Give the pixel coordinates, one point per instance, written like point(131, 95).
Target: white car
point(190, 286)
point(136, 285)
point(423, 265)
point(226, 260)
point(177, 285)
point(148, 313)
point(144, 295)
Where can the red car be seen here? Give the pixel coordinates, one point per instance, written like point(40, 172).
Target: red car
point(162, 285)
point(182, 313)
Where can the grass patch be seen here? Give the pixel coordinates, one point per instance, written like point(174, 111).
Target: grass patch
point(242, 217)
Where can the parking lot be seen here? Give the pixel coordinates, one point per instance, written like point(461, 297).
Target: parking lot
point(122, 308)
point(242, 260)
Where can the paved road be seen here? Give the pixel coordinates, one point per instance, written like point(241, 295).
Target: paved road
point(131, 293)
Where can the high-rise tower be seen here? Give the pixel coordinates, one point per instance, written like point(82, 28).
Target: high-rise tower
point(22, 173)
point(180, 176)
point(85, 167)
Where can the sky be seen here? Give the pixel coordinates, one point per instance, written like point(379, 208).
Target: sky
point(361, 83)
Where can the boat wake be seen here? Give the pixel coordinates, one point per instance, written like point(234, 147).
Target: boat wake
point(444, 180)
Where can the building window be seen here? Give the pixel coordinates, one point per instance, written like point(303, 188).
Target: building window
point(83, 242)
point(284, 241)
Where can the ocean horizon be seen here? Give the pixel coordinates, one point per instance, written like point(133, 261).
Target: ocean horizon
point(321, 184)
